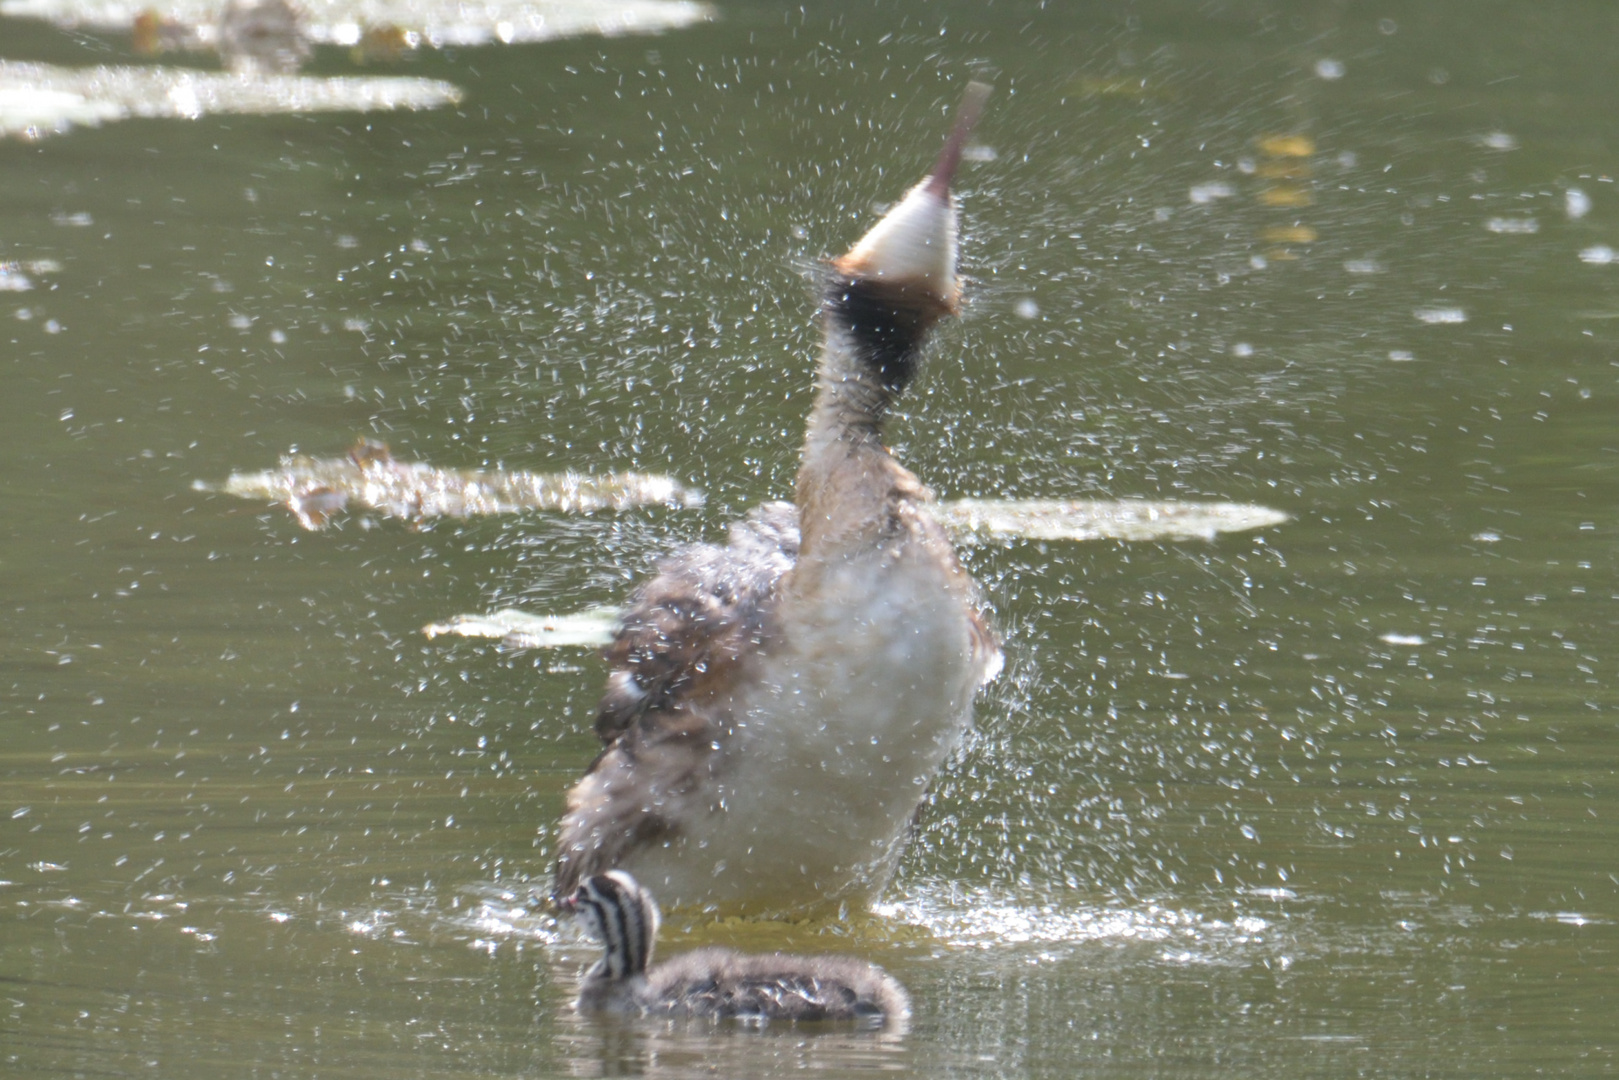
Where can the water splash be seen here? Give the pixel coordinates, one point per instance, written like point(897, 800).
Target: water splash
point(591, 628)
point(983, 919)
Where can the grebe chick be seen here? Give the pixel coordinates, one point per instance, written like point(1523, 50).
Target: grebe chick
point(778, 706)
point(716, 983)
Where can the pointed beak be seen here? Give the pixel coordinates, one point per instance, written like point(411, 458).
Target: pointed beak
point(914, 245)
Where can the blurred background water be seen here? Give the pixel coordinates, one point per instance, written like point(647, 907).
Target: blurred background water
point(1334, 798)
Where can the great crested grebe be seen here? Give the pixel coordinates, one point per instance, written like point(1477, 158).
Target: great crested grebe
point(717, 983)
point(777, 707)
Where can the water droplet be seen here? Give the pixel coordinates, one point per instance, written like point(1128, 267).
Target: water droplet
point(1203, 194)
point(1392, 638)
point(1440, 316)
point(1512, 225)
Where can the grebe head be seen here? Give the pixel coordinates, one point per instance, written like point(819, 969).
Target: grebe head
point(899, 280)
point(623, 917)
point(914, 245)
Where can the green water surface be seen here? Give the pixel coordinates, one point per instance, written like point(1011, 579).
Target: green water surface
point(1335, 799)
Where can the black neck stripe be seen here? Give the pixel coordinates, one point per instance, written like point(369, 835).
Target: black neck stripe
point(886, 322)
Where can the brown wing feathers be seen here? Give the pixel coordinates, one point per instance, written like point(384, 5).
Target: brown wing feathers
point(685, 631)
point(679, 648)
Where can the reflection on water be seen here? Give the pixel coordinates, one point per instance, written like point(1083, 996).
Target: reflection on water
point(1317, 799)
point(607, 1046)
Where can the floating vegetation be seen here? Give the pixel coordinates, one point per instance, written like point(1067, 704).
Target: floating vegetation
point(1083, 519)
point(1286, 165)
point(588, 629)
point(41, 99)
point(196, 24)
point(1287, 196)
point(249, 35)
point(1289, 234)
point(1284, 169)
point(368, 478)
point(1281, 146)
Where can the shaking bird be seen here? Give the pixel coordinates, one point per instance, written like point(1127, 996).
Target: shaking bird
point(716, 983)
point(778, 706)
